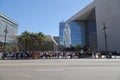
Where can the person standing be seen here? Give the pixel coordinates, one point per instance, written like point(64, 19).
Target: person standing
point(1, 54)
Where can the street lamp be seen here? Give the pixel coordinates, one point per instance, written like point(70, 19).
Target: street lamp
point(105, 35)
point(5, 31)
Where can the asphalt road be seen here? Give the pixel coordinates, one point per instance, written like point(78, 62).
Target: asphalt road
point(60, 69)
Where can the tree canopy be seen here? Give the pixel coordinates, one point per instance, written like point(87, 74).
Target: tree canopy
point(30, 41)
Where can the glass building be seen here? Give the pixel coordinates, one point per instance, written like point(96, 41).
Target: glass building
point(91, 34)
point(67, 35)
point(83, 30)
point(77, 33)
point(61, 31)
point(82, 33)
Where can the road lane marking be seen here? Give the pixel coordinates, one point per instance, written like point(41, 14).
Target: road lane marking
point(48, 70)
point(26, 75)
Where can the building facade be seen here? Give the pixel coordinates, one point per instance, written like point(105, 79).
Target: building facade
point(77, 33)
point(71, 34)
point(67, 35)
point(61, 35)
point(97, 15)
point(8, 29)
point(108, 12)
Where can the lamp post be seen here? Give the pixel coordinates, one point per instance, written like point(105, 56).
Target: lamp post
point(105, 35)
point(5, 31)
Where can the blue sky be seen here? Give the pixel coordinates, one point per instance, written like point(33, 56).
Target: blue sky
point(41, 15)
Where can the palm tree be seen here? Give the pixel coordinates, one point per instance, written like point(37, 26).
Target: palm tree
point(38, 40)
point(31, 41)
point(41, 37)
point(23, 40)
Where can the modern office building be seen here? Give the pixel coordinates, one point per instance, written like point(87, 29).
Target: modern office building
point(61, 35)
point(8, 29)
point(77, 33)
point(71, 34)
point(67, 35)
point(101, 20)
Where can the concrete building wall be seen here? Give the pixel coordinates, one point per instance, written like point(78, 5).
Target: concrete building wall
point(108, 11)
point(12, 28)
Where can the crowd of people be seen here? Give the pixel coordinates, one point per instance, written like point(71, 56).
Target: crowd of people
point(36, 55)
point(56, 54)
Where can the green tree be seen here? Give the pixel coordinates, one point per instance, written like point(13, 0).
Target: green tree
point(40, 39)
point(78, 48)
point(30, 41)
point(47, 46)
point(22, 40)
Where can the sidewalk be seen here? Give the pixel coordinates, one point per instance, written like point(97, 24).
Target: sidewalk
point(59, 62)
